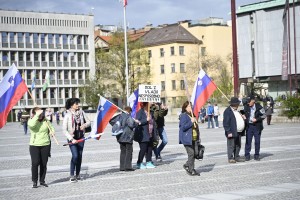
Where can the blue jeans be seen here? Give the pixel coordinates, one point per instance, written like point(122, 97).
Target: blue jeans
point(210, 120)
point(76, 150)
point(164, 140)
point(252, 131)
point(25, 126)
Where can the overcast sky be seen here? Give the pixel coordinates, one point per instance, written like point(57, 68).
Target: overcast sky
point(139, 12)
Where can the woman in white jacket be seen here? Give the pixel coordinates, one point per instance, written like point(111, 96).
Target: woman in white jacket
point(74, 125)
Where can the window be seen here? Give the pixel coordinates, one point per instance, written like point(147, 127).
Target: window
point(182, 68)
point(80, 74)
point(65, 39)
point(51, 56)
point(149, 54)
point(13, 55)
point(162, 69)
point(173, 85)
point(73, 74)
point(79, 37)
point(44, 56)
point(21, 56)
point(28, 56)
point(67, 92)
point(36, 56)
point(35, 38)
point(181, 50)
point(65, 56)
point(203, 51)
point(172, 51)
point(37, 93)
point(182, 85)
point(20, 38)
point(37, 74)
point(172, 67)
point(85, 39)
point(163, 86)
point(66, 74)
point(27, 37)
point(50, 38)
point(57, 39)
point(4, 37)
point(12, 37)
point(79, 57)
point(162, 53)
point(5, 56)
point(43, 38)
point(52, 93)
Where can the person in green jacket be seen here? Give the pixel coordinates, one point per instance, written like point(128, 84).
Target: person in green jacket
point(40, 145)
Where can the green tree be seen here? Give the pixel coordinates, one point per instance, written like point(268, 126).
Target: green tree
point(110, 76)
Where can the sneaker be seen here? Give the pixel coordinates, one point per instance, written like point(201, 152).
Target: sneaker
point(73, 179)
point(44, 184)
point(34, 185)
point(193, 173)
point(186, 167)
point(240, 159)
point(78, 177)
point(129, 170)
point(257, 158)
point(247, 159)
point(158, 159)
point(150, 165)
point(216, 127)
point(140, 166)
point(231, 161)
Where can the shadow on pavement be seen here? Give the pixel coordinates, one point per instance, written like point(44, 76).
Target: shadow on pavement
point(206, 168)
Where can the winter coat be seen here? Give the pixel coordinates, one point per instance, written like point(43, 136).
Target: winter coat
point(186, 130)
point(128, 124)
point(143, 128)
point(229, 123)
point(259, 115)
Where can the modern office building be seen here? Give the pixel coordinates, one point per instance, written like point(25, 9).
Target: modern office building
point(260, 32)
point(40, 43)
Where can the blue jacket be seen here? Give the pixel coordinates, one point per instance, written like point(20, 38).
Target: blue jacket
point(143, 128)
point(210, 110)
point(185, 129)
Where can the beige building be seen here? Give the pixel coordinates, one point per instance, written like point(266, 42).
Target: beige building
point(175, 52)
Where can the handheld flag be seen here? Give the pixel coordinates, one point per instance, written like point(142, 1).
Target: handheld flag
point(133, 102)
point(12, 88)
point(203, 89)
point(47, 81)
point(125, 3)
point(106, 110)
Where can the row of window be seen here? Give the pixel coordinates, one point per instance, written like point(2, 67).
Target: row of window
point(62, 74)
point(43, 22)
point(172, 51)
point(44, 56)
point(173, 68)
point(39, 94)
point(173, 82)
point(44, 38)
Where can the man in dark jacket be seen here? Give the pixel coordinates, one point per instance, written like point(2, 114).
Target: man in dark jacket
point(234, 126)
point(255, 114)
point(159, 115)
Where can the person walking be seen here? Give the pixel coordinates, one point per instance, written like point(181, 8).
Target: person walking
point(74, 125)
point(160, 112)
point(39, 145)
point(19, 115)
point(255, 114)
point(202, 114)
point(234, 126)
point(210, 115)
point(125, 139)
point(145, 141)
point(188, 136)
point(269, 111)
point(57, 117)
point(216, 115)
point(24, 120)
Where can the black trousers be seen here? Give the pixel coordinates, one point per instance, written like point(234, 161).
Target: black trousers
point(269, 117)
point(126, 156)
point(39, 158)
point(145, 150)
point(233, 147)
point(191, 156)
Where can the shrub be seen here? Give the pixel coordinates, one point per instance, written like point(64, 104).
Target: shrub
point(291, 107)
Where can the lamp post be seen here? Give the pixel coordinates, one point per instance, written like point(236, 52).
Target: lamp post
point(57, 77)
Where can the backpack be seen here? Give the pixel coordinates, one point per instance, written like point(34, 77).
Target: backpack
point(116, 123)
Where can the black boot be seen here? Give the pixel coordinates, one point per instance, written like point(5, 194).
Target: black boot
point(34, 185)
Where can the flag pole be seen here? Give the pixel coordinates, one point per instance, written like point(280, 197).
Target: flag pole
point(222, 93)
point(46, 120)
point(126, 56)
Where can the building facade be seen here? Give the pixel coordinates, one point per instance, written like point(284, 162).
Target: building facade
point(260, 32)
point(60, 46)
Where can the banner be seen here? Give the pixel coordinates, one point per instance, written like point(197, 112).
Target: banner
point(149, 93)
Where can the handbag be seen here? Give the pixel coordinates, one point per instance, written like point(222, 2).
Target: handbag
point(199, 150)
point(138, 134)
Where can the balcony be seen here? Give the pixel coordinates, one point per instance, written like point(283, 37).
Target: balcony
point(38, 101)
point(37, 63)
point(66, 46)
point(51, 46)
point(61, 102)
point(52, 82)
point(20, 45)
point(28, 45)
point(79, 46)
point(72, 46)
point(51, 64)
point(13, 45)
point(44, 46)
point(5, 45)
point(38, 81)
point(66, 64)
point(53, 101)
point(21, 63)
point(59, 64)
point(6, 63)
point(74, 82)
point(67, 82)
point(86, 47)
point(36, 45)
point(58, 46)
point(30, 102)
point(16, 62)
point(60, 82)
point(73, 64)
point(86, 64)
point(45, 102)
point(80, 82)
point(44, 64)
point(29, 63)
point(80, 64)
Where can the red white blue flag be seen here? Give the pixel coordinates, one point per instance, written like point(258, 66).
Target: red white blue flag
point(203, 89)
point(133, 102)
point(106, 110)
point(12, 88)
point(125, 3)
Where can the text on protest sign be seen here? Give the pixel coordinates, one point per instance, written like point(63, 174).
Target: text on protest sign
point(149, 93)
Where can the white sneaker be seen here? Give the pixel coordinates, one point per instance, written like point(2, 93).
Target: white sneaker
point(217, 127)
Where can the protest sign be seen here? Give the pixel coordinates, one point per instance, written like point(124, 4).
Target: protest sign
point(149, 93)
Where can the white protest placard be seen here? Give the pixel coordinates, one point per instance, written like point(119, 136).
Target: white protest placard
point(149, 93)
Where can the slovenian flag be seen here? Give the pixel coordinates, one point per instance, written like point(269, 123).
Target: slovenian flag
point(125, 3)
point(12, 88)
point(203, 89)
point(133, 102)
point(105, 111)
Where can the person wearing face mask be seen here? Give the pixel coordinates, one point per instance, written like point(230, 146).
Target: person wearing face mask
point(234, 126)
point(74, 125)
point(39, 146)
point(188, 136)
point(255, 114)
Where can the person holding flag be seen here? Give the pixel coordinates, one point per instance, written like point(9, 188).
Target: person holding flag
point(74, 125)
